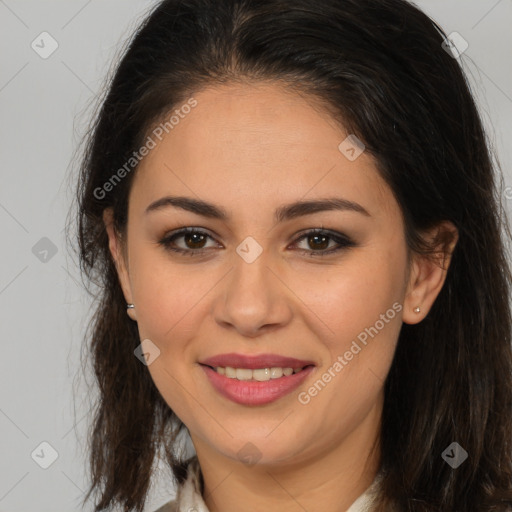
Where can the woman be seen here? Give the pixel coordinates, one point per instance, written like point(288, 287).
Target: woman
point(291, 210)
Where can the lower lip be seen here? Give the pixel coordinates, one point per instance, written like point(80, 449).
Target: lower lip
point(251, 392)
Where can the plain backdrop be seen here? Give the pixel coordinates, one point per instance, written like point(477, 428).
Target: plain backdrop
point(45, 104)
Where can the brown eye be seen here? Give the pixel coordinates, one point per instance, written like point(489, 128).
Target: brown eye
point(319, 240)
point(193, 240)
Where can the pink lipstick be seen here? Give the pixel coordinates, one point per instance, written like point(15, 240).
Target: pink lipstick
point(255, 380)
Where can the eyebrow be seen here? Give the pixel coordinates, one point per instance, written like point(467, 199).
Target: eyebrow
point(283, 213)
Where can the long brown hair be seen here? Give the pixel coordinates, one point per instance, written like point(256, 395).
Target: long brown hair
point(381, 67)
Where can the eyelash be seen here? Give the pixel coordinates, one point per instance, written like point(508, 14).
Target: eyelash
point(343, 241)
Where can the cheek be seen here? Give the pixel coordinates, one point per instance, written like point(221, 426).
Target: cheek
point(167, 295)
point(357, 297)
point(359, 309)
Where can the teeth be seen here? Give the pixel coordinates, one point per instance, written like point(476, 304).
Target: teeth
point(230, 372)
point(243, 374)
point(275, 373)
point(259, 374)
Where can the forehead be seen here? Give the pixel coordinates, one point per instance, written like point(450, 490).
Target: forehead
point(258, 143)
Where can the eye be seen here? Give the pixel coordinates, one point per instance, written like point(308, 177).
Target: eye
point(320, 238)
point(194, 240)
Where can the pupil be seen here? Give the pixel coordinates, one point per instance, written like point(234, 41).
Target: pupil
point(323, 237)
point(192, 235)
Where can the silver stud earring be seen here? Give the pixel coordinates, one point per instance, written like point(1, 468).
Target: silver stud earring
point(130, 306)
point(416, 309)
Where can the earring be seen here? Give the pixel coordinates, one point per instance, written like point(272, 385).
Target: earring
point(130, 311)
point(416, 309)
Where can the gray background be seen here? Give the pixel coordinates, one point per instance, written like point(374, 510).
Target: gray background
point(45, 105)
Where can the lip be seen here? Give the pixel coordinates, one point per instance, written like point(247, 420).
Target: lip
point(251, 392)
point(257, 361)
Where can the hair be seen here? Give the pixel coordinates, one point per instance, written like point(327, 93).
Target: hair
point(380, 69)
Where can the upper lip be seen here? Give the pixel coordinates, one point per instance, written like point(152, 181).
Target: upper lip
point(257, 361)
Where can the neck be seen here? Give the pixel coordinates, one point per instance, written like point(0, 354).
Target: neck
point(330, 480)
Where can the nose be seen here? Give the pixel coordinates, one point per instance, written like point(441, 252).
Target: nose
point(252, 298)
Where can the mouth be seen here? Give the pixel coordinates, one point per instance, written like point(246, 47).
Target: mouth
point(255, 380)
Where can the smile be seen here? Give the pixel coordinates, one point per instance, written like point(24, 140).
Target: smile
point(255, 379)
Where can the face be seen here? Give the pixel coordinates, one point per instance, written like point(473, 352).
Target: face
point(257, 288)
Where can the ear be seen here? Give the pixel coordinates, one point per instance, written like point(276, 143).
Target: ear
point(427, 274)
point(116, 250)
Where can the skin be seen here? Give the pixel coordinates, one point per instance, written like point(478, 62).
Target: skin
point(250, 149)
